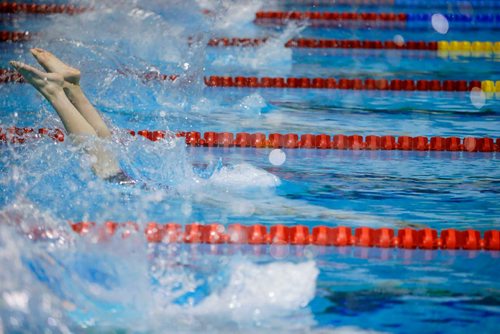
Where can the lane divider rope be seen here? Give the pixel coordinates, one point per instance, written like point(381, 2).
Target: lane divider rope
point(319, 19)
point(487, 86)
point(477, 47)
point(443, 48)
point(33, 8)
point(337, 142)
point(312, 43)
point(329, 16)
point(339, 236)
point(395, 3)
point(17, 135)
point(469, 46)
point(279, 17)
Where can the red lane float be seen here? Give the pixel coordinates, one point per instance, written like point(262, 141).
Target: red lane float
point(10, 76)
point(32, 8)
point(371, 3)
point(342, 83)
point(312, 43)
point(329, 16)
point(338, 142)
point(338, 236)
point(14, 36)
point(17, 135)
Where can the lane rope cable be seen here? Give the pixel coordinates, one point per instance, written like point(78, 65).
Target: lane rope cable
point(338, 236)
point(375, 20)
point(487, 86)
point(480, 48)
point(46, 9)
point(18, 135)
point(391, 3)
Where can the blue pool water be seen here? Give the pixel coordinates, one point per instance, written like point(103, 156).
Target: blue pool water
point(71, 284)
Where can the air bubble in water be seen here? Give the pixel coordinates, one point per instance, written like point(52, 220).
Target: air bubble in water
point(477, 97)
point(17, 300)
point(277, 157)
point(186, 209)
point(440, 23)
point(279, 251)
point(254, 102)
point(15, 174)
point(399, 40)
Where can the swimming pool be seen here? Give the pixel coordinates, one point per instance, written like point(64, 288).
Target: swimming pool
point(97, 282)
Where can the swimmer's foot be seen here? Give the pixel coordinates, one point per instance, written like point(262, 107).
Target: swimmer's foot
point(49, 84)
point(53, 64)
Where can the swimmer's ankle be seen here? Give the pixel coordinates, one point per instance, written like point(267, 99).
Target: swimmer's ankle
point(53, 64)
point(49, 84)
point(71, 88)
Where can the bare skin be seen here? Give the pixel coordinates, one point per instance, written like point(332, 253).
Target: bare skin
point(51, 86)
point(60, 86)
point(72, 89)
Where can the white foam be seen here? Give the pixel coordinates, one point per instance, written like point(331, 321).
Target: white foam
point(271, 288)
point(254, 103)
point(26, 215)
point(24, 301)
point(243, 176)
point(272, 56)
point(231, 14)
point(17, 300)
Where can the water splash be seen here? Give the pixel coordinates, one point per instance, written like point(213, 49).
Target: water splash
point(271, 288)
point(25, 303)
point(231, 16)
point(270, 58)
point(243, 177)
point(71, 283)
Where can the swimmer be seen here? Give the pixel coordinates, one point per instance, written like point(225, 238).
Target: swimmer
point(60, 85)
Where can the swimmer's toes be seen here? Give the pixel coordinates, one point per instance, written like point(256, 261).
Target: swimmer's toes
point(36, 77)
point(43, 58)
point(53, 64)
point(28, 72)
point(16, 64)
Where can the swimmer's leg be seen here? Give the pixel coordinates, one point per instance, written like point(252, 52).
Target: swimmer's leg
point(73, 90)
point(50, 85)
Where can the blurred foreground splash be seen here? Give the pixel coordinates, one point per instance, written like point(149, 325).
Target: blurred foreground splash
point(54, 281)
